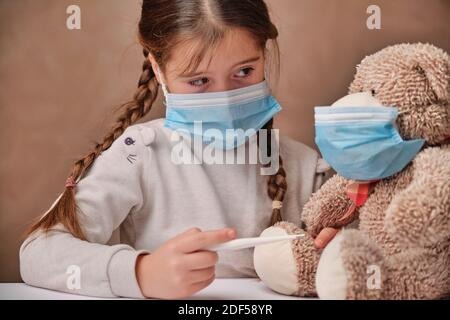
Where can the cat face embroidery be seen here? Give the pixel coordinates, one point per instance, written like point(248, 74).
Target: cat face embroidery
point(131, 157)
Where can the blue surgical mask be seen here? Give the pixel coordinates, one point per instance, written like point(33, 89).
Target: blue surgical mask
point(224, 119)
point(363, 143)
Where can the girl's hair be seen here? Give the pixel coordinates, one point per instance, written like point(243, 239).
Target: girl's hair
point(163, 25)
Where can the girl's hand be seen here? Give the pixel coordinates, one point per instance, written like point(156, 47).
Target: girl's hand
point(325, 236)
point(179, 268)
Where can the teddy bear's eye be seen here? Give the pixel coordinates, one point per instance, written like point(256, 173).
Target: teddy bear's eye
point(373, 92)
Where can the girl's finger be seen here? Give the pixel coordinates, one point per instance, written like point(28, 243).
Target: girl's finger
point(200, 259)
point(201, 275)
point(186, 233)
point(201, 285)
point(324, 237)
point(203, 239)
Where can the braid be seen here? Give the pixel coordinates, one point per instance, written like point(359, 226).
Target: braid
point(276, 183)
point(64, 209)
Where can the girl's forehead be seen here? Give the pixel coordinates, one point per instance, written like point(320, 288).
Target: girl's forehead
point(233, 48)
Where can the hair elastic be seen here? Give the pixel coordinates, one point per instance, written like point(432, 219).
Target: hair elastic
point(277, 204)
point(70, 182)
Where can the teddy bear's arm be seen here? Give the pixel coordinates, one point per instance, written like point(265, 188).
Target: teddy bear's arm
point(420, 214)
point(328, 206)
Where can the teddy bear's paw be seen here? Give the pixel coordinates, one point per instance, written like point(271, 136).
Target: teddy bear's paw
point(282, 265)
point(350, 268)
point(331, 277)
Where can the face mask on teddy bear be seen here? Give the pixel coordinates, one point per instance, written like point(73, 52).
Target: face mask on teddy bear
point(358, 137)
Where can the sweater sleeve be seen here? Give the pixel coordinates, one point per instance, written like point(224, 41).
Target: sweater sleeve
point(323, 173)
point(109, 192)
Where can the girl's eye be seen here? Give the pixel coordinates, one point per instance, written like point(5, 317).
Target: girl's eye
point(244, 72)
point(198, 82)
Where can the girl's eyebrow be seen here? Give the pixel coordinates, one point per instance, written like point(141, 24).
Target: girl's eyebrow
point(194, 74)
point(254, 59)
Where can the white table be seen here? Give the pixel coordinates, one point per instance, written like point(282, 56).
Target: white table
point(220, 289)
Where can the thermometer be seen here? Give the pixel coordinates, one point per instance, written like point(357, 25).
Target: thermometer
point(243, 243)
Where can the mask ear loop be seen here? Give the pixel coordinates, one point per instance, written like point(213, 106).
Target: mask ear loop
point(163, 85)
point(266, 75)
point(266, 78)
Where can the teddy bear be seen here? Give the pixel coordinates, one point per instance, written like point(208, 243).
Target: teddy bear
point(400, 247)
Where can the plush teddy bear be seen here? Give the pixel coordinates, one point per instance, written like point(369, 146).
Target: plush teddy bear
point(401, 248)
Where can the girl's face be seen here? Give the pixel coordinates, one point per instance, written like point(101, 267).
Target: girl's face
point(237, 62)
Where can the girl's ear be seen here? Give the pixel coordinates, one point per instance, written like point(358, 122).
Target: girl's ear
point(154, 67)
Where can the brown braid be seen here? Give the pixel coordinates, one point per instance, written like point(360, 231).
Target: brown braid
point(65, 210)
point(276, 183)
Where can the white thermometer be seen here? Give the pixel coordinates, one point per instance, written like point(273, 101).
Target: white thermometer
point(243, 243)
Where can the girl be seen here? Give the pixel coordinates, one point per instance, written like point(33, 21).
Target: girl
point(201, 52)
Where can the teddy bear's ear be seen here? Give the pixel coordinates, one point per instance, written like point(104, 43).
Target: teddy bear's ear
point(436, 68)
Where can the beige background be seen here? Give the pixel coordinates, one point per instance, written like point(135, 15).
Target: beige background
point(58, 87)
